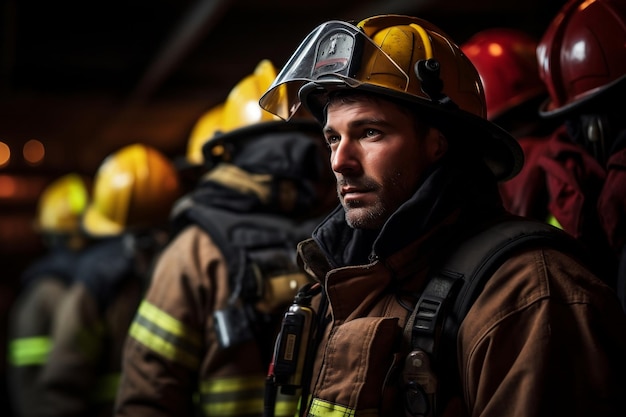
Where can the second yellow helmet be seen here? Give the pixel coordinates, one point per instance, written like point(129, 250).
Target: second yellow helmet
point(134, 188)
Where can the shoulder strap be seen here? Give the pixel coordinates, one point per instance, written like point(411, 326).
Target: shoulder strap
point(455, 285)
point(258, 249)
point(252, 244)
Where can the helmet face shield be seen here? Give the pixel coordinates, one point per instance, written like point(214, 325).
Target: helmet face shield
point(332, 55)
point(406, 60)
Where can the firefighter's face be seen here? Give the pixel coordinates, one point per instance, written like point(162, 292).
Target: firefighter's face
point(378, 155)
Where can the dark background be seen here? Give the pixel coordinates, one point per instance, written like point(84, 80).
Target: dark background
point(87, 77)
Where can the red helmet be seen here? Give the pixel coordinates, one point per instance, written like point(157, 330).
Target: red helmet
point(582, 53)
point(507, 63)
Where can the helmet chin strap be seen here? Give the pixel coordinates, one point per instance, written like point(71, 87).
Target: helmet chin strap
point(594, 133)
point(427, 71)
point(596, 137)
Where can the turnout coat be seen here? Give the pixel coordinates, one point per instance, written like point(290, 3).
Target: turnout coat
point(545, 337)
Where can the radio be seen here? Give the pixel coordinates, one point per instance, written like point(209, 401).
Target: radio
point(293, 344)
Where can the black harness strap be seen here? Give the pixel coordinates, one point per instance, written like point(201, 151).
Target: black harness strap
point(450, 293)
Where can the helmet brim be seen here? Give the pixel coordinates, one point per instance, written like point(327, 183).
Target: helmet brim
point(550, 110)
point(96, 225)
point(250, 132)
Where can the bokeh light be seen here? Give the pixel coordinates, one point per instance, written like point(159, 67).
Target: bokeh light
point(8, 186)
point(34, 152)
point(5, 154)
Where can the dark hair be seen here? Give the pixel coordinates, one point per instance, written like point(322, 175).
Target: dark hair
point(420, 123)
point(460, 151)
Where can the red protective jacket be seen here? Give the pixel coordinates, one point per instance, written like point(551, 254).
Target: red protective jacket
point(562, 180)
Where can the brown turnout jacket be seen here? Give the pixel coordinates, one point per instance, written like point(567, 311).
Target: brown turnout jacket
point(545, 337)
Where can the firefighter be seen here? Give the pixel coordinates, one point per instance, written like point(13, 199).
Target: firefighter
point(134, 190)
point(43, 284)
point(576, 178)
point(506, 60)
point(203, 336)
point(417, 164)
point(191, 166)
point(507, 63)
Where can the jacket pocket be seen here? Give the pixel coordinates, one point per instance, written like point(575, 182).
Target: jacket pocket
point(358, 360)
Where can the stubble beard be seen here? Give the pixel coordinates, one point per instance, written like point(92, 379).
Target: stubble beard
point(360, 216)
point(372, 216)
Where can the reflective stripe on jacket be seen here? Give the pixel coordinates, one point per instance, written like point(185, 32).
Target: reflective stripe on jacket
point(82, 374)
point(520, 348)
point(172, 363)
point(30, 326)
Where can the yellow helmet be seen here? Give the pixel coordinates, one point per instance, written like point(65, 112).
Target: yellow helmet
point(209, 124)
point(134, 188)
point(404, 58)
point(241, 107)
point(243, 118)
point(61, 205)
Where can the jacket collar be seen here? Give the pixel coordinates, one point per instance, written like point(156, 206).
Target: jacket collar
point(455, 192)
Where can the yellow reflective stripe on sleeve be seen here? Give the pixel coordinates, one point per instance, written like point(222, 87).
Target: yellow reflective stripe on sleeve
point(286, 406)
point(320, 408)
point(166, 336)
point(225, 385)
point(241, 396)
point(239, 407)
point(168, 323)
point(28, 351)
point(232, 396)
point(106, 388)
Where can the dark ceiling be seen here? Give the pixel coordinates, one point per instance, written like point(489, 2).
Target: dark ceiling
point(87, 77)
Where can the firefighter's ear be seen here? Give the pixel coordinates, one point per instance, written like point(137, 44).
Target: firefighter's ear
point(442, 145)
point(436, 144)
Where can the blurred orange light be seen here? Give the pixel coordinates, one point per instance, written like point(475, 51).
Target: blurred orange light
point(5, 154)
point(34, 152)
point(8, 186)
point(495, 49)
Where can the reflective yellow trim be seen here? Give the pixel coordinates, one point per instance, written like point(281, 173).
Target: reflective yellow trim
point(321, 408)
point(233, 396)
point(168, 323)
point(166, 336)
point(286, 405)
point(237, 407)
point(28, 351)
point(162, 346)
point(106, 388)
point(240, 396)
point(223, 385)
point(553, 221)
point(428, 47)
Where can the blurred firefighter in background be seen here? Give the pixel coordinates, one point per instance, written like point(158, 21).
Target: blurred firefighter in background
point(191, 166)
point(134, 189)
point(203, 336)
point(576, 177)
point(43, 285)
point(506, 59)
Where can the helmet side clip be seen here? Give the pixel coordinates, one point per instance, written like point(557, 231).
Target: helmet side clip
point(427, 71)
